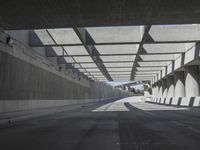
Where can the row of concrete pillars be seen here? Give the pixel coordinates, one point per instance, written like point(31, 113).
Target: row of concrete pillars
point(184, 83)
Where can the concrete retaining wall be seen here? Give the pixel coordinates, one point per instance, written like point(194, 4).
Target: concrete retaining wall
point(21, 80)
point(28, 81)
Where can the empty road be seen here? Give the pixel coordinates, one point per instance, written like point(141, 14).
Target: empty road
point(126, 124)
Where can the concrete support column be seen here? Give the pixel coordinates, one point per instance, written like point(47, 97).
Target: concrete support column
point(170, 86)
point(156, 90)
point(164, 87)
point(160, 89)
point(179, 82)
point(192, 79)
point(153, 90)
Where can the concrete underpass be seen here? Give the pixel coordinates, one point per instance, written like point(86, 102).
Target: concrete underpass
point(101, 74)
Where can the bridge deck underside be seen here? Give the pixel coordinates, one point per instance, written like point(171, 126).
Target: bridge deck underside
point(117, 53)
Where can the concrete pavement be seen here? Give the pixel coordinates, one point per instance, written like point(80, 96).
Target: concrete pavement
point(128, 123)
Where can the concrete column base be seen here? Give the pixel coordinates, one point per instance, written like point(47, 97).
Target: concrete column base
point(179, 82)
point(192, 79)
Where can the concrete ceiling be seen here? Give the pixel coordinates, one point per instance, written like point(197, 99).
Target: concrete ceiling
point(117, 53)
point(29, 14)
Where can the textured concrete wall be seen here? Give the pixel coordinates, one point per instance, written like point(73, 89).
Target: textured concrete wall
point(22, 36)
point(26, 83)
point(103, 90)
point(21, 80)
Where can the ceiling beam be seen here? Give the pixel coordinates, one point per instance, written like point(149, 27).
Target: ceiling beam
point(34, 41)
point(65, 55)
point(81, 33)
point(145, 36)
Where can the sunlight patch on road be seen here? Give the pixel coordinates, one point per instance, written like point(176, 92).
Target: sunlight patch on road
point(114, 106)
point(117, 105)
point(137, 103)
point(154, 107)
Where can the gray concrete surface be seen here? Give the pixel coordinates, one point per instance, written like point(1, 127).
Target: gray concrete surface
point(192, 80)
point(170, 86)
point(179, 82)
point(126, 124)
point(182, 86)
point(21, 80)
point(60, 13)
point(178, 101)
point(30, 81)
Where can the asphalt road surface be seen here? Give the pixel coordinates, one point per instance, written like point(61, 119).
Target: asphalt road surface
point(126, 124)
